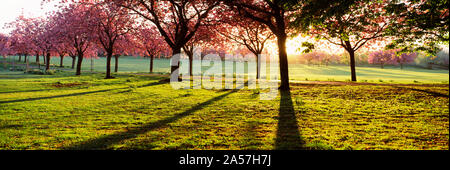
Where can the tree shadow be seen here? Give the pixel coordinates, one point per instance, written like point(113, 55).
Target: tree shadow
point(79, 94)
point(432, 93)
point(25, 91)
point(10, 127)
point(250, 140)
point(105, 141)
point(288, 134)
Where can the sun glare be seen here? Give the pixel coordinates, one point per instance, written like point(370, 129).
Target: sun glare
point(294, 46)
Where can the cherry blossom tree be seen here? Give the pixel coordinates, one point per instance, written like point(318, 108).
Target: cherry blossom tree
point(382, 57)
point(274, 14)
point(419, 26)
point(403, 58)
point(176, 20)
point(4, 45)
point(48, 40)
point(205, 37)
point(75, 22)
point(248, 33)
point(151, 44)
point(72, 54)
point(318, 57)
point(36, 42)
point(125, 45)
point(21, 36)
point(349, 24)
point(111, 25)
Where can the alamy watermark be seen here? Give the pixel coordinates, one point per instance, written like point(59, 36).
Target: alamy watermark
point(230, 72)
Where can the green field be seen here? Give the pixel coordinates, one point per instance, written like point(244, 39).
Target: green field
point(298, 72)
point(136, 111)
point(391, 109)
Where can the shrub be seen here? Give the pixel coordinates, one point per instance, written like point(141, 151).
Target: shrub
point(35, 71)
point(50, 72)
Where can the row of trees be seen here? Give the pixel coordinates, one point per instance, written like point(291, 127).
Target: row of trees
point(116, 27)
point(82, 30)
point(392, 57)
point(381, 57)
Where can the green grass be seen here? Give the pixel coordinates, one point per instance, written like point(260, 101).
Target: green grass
point(63, 111)
point(298, 72)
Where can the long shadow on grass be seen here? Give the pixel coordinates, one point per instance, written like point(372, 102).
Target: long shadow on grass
point(288, 135)
point(104, 142)
point(432, 93)
point(10, 127)
point(25, 91)
point(79, 94)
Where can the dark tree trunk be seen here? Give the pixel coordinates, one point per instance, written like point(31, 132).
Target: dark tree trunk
point(401, 66)
point(20, 57)
point(27, 63)
point(191, 63)
point(151, 63)
point(62, 60)
point(108, 66)
point(258, 66)
point(73, 61)
point(43, 56)
point(284, 67)
point(4, 62)
point(189, 50)
point(25, 58)
point(116, 66)
point(352, 64)
point(37, 58)
point(47, 64)
point(382, 65)
point(80, 61)
point(174, 70)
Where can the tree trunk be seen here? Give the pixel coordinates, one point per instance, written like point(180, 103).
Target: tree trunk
point(352, 64)
point(258, 66)
point(47, 64)
point(401, 66)
point(43, 57)
point(116, 66)
point(20, 57)
point(191, 64)
point(189, 50)
point(92, 64)
point(26, 57)
point(151, 63)
point(73, 61)
point(382, 65)
point(174, 70)
point(80, 61)
point(62, 60)
point(4, 62)
point(27, 65)
point(108, 66)
point(284, 67)
point(37, 60)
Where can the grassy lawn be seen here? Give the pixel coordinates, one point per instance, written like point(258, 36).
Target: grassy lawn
point(298, 72)
point(63, 111)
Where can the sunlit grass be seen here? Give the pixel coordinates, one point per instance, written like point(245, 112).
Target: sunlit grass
point(297, 72)
point(141, 112)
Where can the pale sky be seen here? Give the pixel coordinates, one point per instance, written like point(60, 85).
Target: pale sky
point(11, 9)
